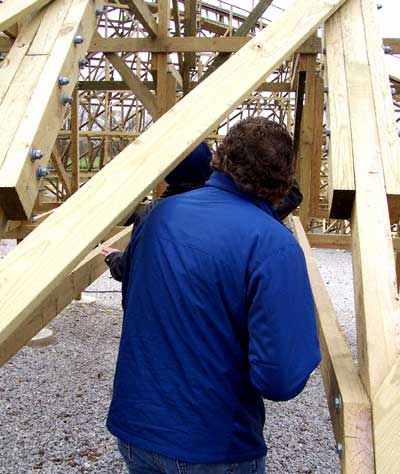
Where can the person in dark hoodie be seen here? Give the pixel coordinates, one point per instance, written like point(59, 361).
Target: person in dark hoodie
point(218, 314)
point(191, 173)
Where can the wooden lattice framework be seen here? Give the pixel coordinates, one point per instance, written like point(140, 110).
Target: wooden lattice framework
point(154, 80)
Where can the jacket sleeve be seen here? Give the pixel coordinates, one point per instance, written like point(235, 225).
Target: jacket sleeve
point(283, 342)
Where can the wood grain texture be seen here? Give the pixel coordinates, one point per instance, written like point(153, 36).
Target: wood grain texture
point(13, 11)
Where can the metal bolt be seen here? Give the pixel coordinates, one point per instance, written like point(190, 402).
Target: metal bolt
point(324, 51)
point(66, 99)
point(324, 106)
point(35, 154)
point(387, 49)
point(379, 6)
point(78, 39)
point(83, 62)
point(63, 81)
point(327, 132)
point(339, 449)
point(41, 172)
point(326, 89)
point(398, 133)
point(338, 403)
point(99, 11)
point(326, 149)
point(393, 90)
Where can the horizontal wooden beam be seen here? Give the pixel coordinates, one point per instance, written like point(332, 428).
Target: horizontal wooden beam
point(122, 86)
point(80, 278)
point(63, 238)
point(347, 399)
point(13, 11)
point(339, 241)
point(183, 45)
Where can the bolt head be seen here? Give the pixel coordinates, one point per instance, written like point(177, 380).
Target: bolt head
point(41, 172)
point(379, 6)
point(78, 39)
point(340, 449)
point(338, 402)
point(99, 11)
point(35, 154)
point(387, 49)
point(327, 132)
point(66, 99)
point(83, 62)
point(63, 81)
point(393, 90)
point(326, 89)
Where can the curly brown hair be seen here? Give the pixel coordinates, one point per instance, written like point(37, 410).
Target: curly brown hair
point(258, 155)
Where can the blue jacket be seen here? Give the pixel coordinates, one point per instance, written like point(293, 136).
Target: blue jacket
point(218, 313)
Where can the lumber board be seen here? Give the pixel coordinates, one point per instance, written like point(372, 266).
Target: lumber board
point(78, 280)
point(352, 422)
point(374, 272)
point(75, 158)
point(387, 422)
point(26, 279)
point(142, 12)
point(11, 64)
point(44, 111)
point(341, 184)
point(13, 11)
point(387, 130)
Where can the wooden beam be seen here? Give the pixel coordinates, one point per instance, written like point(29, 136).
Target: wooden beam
point(43, 106)
point(142, 12)
point(389, 142)
point(25, 278)
point(341, 185)
point(189, 26)
point(374, 272)
point(75, 158)
point(81, 277)
point(352, 419)
point(5, 44)
point(13, 11)
point(60, 170)
point(339, 241)
point(134, 83)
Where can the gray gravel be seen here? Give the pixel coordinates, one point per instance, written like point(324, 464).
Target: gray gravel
point(55, 399)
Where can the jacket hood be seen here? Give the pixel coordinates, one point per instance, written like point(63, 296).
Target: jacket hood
point(195, 168)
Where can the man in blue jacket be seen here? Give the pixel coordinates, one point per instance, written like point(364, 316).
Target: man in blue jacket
point(218, 313)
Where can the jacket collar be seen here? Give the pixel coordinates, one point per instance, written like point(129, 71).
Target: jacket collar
point(222, 181)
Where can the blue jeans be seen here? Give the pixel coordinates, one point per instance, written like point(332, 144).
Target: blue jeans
point(140, 461)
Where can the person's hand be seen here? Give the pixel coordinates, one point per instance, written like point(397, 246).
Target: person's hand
point(105, 251)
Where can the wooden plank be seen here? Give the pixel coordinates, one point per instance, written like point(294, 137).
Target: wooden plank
point(161, 59)
point(141, 11)
point(387, 131)
point(10, 65)
point(26, 279)
point(13, 11)
point(134, 83)
point(341, 184)
point(352, 421)
point(60, 170)
point(387, 422)
point(75, 168)
point(44, 111)
point(80, 278)
point(170, 44)
point(374, 272)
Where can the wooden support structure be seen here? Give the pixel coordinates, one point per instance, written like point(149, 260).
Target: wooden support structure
point(37, 100)
point(110, 125)
point(24, 285)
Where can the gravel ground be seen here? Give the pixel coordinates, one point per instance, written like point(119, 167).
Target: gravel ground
point(55, 399)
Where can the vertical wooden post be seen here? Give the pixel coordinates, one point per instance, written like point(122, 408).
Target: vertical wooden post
point(75, 141)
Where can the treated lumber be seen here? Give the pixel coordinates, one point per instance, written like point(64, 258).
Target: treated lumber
point(161, 60)
point(13, 11)
point(60, 170)
point(341, 184)
point(386, 122)
point(142, 12)
point(189, 28)
point(43, 109)
point(134, 83)
point(172, 44)
point(75, 165)
point(78, 280)
point(310, 144)
point(352, 421)
point(339, 241)
point(25, 278)
point(387, 422)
